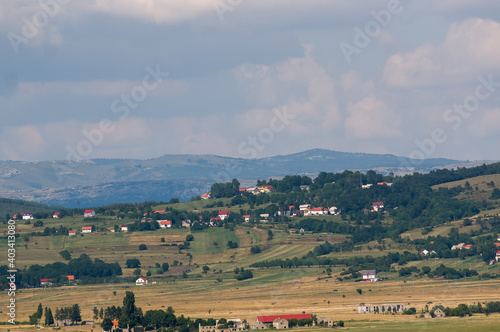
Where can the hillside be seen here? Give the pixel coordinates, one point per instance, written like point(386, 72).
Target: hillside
point(105, 181)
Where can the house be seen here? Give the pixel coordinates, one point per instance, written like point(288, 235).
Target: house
point(71, 233)
point(160, 211)
point(70, 277)
point(141, 281)
point(366, 186)
point(468, 246)
point(87, 229)
point(377, 206)
point(46, 282)
point(247, 218)
point(89, 213)
point(307, 212)
point(497, 257)
point(124, 228)
point(458, 246)
point(27, 216)
point(264, 217)
point(364, 308)
point(165, 223)
point(280, 323)
point(369, 275)
point(325, 322)
point(427, 315)
point(438, 313)
point(56, 215)
point(423, 252)
point(333, 211)
point(236, 326)
point(497, 245)
point(186, 223)
point(271, 319)
point(224, 214)
point(258, 326)
point(264, 189)
point(319, 211)
point(206, 195)
point(305, 187)
point(214, 221)
point(304, 207)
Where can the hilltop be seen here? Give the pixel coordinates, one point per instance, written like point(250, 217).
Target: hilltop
point(106, 181)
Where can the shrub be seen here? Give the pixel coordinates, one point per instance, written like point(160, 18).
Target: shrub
point(143, 247)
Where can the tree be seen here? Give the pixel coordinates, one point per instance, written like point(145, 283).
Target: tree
point(255, 249)
point(137, 272)
point(49, 319)
point(129, 307)
point(329, 271)
point(205, 269)
point(132, 263)
point(360, 291)
point(101, 313)
point(95, 311)
point(143, 247)
point(107, 324)
point(65, 254)
point(39, 311)
point(75, 313)
point(165, 267)
point(189, 237)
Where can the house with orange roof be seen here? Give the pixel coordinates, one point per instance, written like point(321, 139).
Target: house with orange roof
point(87, 229)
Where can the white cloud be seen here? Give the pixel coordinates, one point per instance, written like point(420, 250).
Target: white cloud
point(469, 49)
point(371, 118)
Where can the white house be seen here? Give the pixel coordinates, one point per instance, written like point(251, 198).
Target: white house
point(247, 218)
point(27, 216)
point(141, 281)
point(377, 206)
point(56, 215)
point(423, 252)
point(124, 228)
point(304, 207)
point(165, 223)
point(87, 229)
point(224, 214)
point(72, 233)
point(319, 211)
point(366, 186)
point(370, 275)
point(186, 223)
point(333, 210)
point(458, 246)
point(498, 256)
point(264, 217)
point(89, 213)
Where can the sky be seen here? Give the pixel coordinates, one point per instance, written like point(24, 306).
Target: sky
point(248, 78)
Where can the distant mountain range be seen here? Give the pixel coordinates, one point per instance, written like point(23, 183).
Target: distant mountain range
point(104, 181)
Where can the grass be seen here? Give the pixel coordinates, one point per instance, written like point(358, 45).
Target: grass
point(483, 190)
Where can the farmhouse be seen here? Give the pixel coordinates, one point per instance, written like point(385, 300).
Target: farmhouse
point(247, 218)
point(423, 252)
point(377, 206)
point(278, 320)
point(458, 246)
point(46, 282)
point(141, 281)
point(325, 322)
point(264, 188)
point(369, 275)
point(366, 186)
point(206, 195)
point(236, 325)
point(497, 257)
point(71, 233)
point(224, 214)
point(87, 229)
point(319, 211)
point(124, 228)
point(438, 313)
point(56, 215)
point(333, 210)
point(468, 246)
point(304, 207)
point(186, 223)
point(27, 216)
point(364, 308)
point(89, 213)
point(264, 217)
point(165, 223)
point(258, 326)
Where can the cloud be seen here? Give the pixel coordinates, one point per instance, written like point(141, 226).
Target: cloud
point(469, 49)
point(371, 118)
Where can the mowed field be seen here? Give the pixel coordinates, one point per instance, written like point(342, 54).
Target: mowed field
point(271, 291)
point(481, 182)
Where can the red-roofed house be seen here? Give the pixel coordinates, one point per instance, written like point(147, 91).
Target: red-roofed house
point(56, 215)
point(247, 218)
point(71, 233)
point(271, 319)
point(423, 252)
point(115, 323)
point(318, 211)
point(165, 223)
point(206, 195)
point(46, 282)
point(141, 281)
point(124, 228)
point(160, 211)
point(224, 214)
point(214, 221)
point(378, 206)
point(71, 277)
point(87, 229)
point(497, 245)
point(89, 213)
point(468, 246)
